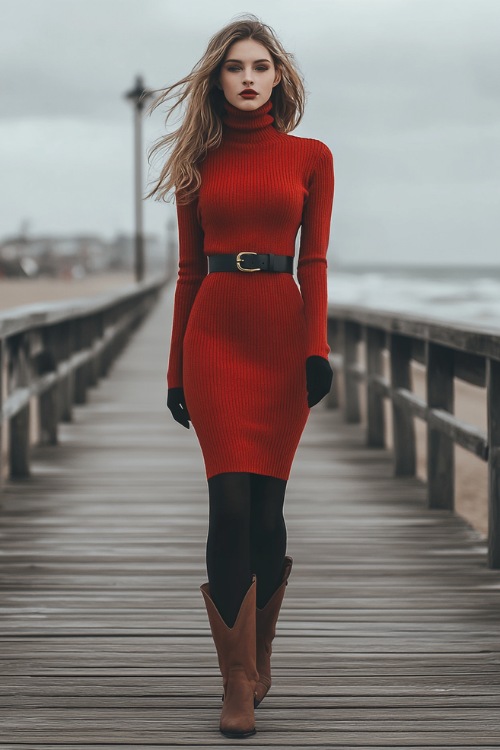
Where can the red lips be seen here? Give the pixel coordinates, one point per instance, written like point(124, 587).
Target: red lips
point(248, 91)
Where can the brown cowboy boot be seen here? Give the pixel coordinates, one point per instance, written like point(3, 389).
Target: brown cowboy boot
point(236, 654)
point(266, 619)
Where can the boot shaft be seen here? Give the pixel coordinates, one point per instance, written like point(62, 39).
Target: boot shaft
point(236, 646)
point(236, 652)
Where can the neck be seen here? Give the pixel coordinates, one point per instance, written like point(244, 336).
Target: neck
point(248, 126)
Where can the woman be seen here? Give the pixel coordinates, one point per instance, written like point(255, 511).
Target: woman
point(249, 351)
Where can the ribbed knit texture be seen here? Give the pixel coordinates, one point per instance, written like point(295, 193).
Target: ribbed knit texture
point(239, 341)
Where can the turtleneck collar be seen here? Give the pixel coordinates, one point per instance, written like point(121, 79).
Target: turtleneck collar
point(248, 126)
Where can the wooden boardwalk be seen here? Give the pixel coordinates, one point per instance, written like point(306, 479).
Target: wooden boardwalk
point(389, 635)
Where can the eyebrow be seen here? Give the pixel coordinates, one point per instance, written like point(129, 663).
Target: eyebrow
point(264, 59)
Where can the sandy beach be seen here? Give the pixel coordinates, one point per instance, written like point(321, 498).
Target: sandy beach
point(471, 474)
point(15, 292)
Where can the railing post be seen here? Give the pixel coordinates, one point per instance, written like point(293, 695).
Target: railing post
point(48, 411)
point(88, 337)
point(92, 337)
point(80, 374)
point(440, 447)
point(48, 402)
point(3, 425)
point(37, 363)
point(105, 355)
point(352, 412)
point(99, 333)
point(66, 383)
point(493, 400)
point(403, 427)
point(19, 442)
point(375, 419)
point(332, 399)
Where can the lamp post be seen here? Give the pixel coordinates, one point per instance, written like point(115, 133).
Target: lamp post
point(138, 95)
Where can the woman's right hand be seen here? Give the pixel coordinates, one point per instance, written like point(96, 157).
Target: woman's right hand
point(177, 405)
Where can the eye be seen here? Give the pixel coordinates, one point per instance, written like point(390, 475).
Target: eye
point(237, 67)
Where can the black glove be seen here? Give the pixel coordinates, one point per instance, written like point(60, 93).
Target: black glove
point(319, 376)
point(177, 405)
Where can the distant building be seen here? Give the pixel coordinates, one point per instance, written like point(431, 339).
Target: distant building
point(73, 256)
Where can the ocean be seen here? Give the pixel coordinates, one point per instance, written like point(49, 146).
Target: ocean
point(460, 294)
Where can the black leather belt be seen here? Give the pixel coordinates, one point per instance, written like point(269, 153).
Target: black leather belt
point(249, 261)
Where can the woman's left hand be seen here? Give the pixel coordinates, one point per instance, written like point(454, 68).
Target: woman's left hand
point(176, 402)
point(319, 376)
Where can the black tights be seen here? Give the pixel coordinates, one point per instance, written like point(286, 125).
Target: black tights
point(246, 534)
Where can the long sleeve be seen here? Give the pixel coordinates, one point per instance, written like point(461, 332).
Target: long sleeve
point(312, 262)
point(192, 270)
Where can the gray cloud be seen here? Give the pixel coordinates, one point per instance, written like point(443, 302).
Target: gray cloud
point(405, 93)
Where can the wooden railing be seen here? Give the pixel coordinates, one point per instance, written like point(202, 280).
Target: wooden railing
point(49, 356)
point(447, 351)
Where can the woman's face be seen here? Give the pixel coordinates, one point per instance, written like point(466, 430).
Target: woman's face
point(248, 65)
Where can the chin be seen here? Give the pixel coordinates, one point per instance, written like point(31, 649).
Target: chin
point(248, 103)
point(237, 101)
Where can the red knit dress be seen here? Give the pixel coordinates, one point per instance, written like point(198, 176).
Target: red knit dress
point(239, 340)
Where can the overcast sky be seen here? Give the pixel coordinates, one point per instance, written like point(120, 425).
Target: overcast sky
point(406, 93)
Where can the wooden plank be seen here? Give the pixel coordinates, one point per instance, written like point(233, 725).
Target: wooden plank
point(493, 389)
point(375, 342)
point(479, 340)
point(332, 399)
point(277, 740)
point(471, 438)
point(388, 635)
point(351, 370)
point(469, 367)
point(408, 401)
point(25, 317)
point(440, 446)
point(403, 427)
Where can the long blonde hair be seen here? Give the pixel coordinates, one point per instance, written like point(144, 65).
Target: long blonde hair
point(201, 128)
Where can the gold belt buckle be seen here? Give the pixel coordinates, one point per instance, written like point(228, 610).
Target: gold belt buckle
point(239, 259)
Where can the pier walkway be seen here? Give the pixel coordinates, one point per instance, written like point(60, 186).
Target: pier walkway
point(389, 635)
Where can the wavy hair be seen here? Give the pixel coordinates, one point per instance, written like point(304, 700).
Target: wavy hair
point(201, 128)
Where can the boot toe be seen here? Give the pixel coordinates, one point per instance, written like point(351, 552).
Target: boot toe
point(238, 734)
